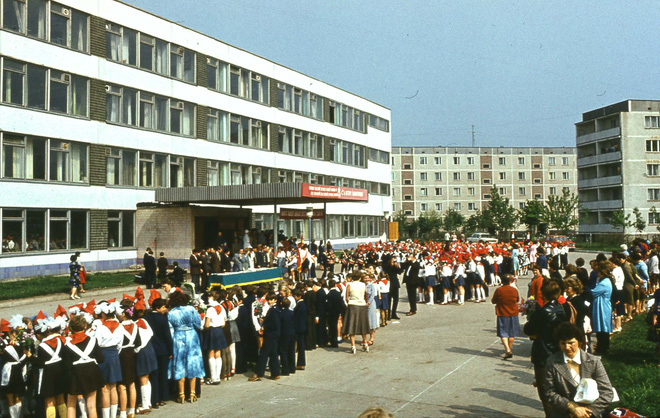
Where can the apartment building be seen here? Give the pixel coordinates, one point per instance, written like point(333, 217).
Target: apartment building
point(436, 179)
point(618, 149)
point(103, 105)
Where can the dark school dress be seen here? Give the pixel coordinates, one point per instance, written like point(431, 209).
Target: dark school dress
point(52, 377)
point(81, 356)
point(13, 361)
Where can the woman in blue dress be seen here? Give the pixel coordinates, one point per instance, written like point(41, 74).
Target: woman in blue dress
point(515, 256)
point(602, 307)
point(187, 361)
point(372, 312)
point(74, 277)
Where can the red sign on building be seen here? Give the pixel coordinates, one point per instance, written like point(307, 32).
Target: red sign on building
point(318, 191)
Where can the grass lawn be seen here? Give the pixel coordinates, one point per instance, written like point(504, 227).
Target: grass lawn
point(48, 285)
point(605, 248)
point(633, 369)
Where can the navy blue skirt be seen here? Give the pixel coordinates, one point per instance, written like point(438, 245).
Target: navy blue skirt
point(384, 302)
point(110, 368)
point(460, 281)
point(431, 280)
point(214, 339)
point(508, 326)
point(145, 361)
point(446, 282)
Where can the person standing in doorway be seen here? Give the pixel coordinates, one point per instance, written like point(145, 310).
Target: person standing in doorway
point(149, 268)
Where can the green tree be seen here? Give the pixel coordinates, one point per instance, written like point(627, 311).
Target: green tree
point(620, 220)
point(474, 223)
point(453, 220)
point(561, 212)
point(499, 216)
point(428, 224)
point(407, 227)
point(532, 215)
point(639, 223)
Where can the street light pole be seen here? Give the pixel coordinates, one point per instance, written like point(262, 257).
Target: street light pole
point(310, 213)
point(387, 225)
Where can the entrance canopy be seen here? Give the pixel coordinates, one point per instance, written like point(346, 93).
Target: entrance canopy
point(261, 194)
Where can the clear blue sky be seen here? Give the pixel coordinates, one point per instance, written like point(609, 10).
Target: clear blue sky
point(521, 72)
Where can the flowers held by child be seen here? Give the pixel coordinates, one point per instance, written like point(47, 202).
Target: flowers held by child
point(528, 307)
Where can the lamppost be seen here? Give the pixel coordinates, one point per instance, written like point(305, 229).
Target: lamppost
point(387, 225)
point(310, 213)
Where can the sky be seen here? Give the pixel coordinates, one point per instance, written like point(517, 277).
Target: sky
point(521, 72)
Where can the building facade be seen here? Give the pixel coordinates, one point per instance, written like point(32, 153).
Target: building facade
point(103, 103)
point(426, 179)
point(618, 149)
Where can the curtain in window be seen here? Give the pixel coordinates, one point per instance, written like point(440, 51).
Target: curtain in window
point(212, 127)
point(79, 31)
point(112, 108)
point(111, 172)
point(18, 13)
point(59, 166)
point(223, 126)
point(161, 114)
point(78, 163)
point(37, 18)
point(79, 96)
point(14, 168)
point(129, 98)
point(188, 119)
point(161, 57)
point(115, 51)
point(312, 109)
point(29, 159)
point(288, 92)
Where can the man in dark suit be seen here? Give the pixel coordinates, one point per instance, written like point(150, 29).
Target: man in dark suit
point(215, 260)
point(225, 261)
point(287, 344)
point(271, 330)
point(411, 280)
point(335, 308)
point(312, 317)
point(321, 314)
point(149, 268)
point(162, 267)
point(206, 265)
point(392, 269)
point(163, 348)
point(300, 325)
point(196, 269)
point(565, 369)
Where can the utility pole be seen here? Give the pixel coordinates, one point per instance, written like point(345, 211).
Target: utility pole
point(472, 136)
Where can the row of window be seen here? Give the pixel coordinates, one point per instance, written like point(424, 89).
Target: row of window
point(301, 143)
point(652, 121)
point(501, 161)
point(236, 129)
point(339, 226)
point(51, 230)
point(566, 175)
point(43, 88)
point(137, 49)
point(379, 156)
point(48, 21)
point(347, 153)
point(347, 116)
point(471, 191)
point(237, 81)
point(127, 167)
point(33, 158)
point(149, 111)
point(302, 102)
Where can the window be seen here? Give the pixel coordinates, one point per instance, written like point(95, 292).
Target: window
point(438, 207)
point(305, 144)
point(121, 229)
point(296, 100)
point(553, 191)
point(653, 145)
point(502, 176)
point(14, 15)
point(68, 161)
point(470, 176)
point(551, 160)
point(537, 165)
point(552, 175)
point(457, 160)
point(407, 166)
point(486, 181)
point(538, 196)
point(121, 167)
point(653, 169)
point(121, 44)
point(423, 207)
point(457, 191)
point(346, 116)
point(24, 230)
point(423, 176)
point(423, 160)
point(438, 191)
point(485, 165)
point(537, 181)
point(471, 191)
point(521, 175)
point(522, 191)
point(379, 123)
point(653, 194)
point(438, 176)
point(502, 160)
point(240, 84)
point(153, 169)
point(23, 157)
point(407, 212)
point(437, 160)
point(457, 176)
point(217, 126)
point(424, 191)
point(565, 175)
point(521, 160)
point(564, 160)
point(470, 160)
point(565, 190)
point(407, 197)
point(654, 218)
point(502, 191)
point(457, 206)
point(347, 153)
point(407, 182)
point(216, 74)
point(652, 121)
point(68, 229)
point(472, 206)
point(182, 118)
point(486, 196)
point(521, 205)
point(182, 172)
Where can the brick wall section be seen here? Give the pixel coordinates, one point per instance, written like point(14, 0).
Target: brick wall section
point(97, 164)
point(202, 121)
point(97, 100)
point(326, 149)
point(98, 229)
point(97, 36)
point(273, 92)
point(326, 109)
point(170, 227)
point(274, 136)
point(202, 173)
point(202, 74)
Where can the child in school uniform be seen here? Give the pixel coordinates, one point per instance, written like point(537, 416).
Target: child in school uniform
point(145, 356)
point(126, 387)
point(81, 357)
point(163, 349)
point(287, 342)
point(13, 360)
point(270, 330)
point(214, 340)
point(109, 335)
point(300, 325)
point(384, 297)
point(50, 367)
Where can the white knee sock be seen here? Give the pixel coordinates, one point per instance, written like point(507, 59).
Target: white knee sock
point(122, 414)
point(431, 298)
point(131, 412)
point(218, 369)
point(232, 350)
point(113, 410)
point(212, 370)
point(16, 410)
point(82, 405)
point(483, 293)
point(146, 395)
point(105, 412)
point(461, 298)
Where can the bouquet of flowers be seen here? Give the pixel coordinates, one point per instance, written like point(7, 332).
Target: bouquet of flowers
point(528, 307)
point(26, 339)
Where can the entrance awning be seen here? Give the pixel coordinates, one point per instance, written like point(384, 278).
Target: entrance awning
point(261, 194)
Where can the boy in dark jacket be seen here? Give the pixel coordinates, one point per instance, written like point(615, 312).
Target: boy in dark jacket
point(270, 329)
point(300, 325)
point(163, 348)
point(287, 345)
point(335, 308)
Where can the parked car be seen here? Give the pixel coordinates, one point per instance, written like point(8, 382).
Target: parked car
point(481, 236)
point(561, 239)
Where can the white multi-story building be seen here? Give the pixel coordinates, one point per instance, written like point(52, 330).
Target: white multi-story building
point(618, 148)
point(426, 179)
point(102, 104)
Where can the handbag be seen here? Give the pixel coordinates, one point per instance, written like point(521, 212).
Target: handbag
point(587, 391)
point(653, 334)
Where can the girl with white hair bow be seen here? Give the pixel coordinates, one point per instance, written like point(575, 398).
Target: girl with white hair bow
point(49, 364)
point(14, 366)
point(109, 335)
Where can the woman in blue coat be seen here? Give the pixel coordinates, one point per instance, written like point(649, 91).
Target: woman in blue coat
point(602, 307)
point(187, 361)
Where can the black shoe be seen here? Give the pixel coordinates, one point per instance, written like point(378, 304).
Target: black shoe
point(395, 317)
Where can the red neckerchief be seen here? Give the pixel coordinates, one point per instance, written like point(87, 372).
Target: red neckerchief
point(52, 342)
point(78, 337)
point(141, 323)
point(218, 309)
point(228, 305)
point(128, 327)
point(385, 281)
point(110, 324)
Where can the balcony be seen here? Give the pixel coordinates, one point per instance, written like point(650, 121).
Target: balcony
point(599, 159)
point(603, 204)
point(599, 182)
point(597, 136)
point(597, 229)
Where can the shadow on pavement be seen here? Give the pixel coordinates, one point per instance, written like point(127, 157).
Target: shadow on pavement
point(490, 352)
point(471, 411)
point(510, 397)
